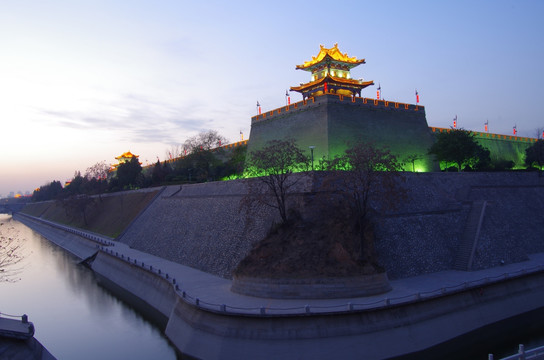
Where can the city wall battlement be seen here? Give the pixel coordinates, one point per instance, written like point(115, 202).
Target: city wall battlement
point(490, 136)
point(300, 105)
point(330, 123)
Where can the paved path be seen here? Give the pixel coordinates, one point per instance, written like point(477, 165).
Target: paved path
point(213, 292)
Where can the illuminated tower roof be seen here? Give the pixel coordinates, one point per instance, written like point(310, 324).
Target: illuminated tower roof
point(331, 74)
point(123, 158)
point(126, 157)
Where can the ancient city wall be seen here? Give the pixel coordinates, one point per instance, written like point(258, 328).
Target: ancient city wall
point(501, 147)
point(330, 122)
point(202, 225)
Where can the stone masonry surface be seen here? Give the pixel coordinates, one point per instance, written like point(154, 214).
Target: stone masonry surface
point(204, 225)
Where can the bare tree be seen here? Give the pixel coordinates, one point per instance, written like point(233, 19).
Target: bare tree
point(78, 204)
point(10, 256)
point(98, 171)
point(174, 152)
point(539, 132)
point(274, 165)
point(370, 181)
point(204, 141)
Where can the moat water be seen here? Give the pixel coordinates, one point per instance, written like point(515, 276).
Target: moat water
point(75, 318)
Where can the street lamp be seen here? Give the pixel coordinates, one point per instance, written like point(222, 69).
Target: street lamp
point(312, 152)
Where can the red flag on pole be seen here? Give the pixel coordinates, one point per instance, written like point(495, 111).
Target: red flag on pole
point(486, 123)
point(455, 122)
point(378, 92)
point(515, 129)
point(417, 97)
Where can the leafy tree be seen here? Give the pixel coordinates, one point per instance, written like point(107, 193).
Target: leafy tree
point(50, 191)
point(459, 146)
point(76, 185)
point(274, 165)
point(369, 179)
point(129, 172)
point(158, 174)
point(502, 165)
point(235, 164)
point(534, 155)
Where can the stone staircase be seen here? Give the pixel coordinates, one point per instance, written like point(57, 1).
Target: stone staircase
point(467, 246)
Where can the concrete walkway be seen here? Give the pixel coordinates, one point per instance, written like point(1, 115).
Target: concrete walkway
point(213, 293)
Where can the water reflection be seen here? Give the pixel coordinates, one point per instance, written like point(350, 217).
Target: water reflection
point(74, 317)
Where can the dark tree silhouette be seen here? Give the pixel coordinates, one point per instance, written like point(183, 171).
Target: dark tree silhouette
point(50, 191)
point(274, 165)
point(534, 155)
point(459, 146)
point(128, 173)
point(203, 151)
point(370, 180)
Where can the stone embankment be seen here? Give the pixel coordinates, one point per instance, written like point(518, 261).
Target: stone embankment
point(206, 226)
point(178, 256)
point(205, 319)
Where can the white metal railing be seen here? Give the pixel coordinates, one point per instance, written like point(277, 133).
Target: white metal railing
point(522, 354)
point(344, 307)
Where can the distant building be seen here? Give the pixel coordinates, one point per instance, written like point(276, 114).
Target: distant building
point(123, 158)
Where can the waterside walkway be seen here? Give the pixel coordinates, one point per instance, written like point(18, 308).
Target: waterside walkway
point(212, 293)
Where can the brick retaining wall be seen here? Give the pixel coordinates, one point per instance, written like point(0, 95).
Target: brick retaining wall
point(201, 225)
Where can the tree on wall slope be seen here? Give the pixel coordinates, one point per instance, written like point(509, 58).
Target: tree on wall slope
point(274, 165)
point(370, 180)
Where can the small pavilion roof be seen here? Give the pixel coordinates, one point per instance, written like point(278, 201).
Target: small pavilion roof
point(126, 155)
point(330, 54)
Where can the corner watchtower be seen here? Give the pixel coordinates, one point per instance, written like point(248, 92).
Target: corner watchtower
point(331, 74)
point(331, 116)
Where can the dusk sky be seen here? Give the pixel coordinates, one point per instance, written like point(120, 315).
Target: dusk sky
point(84, 81)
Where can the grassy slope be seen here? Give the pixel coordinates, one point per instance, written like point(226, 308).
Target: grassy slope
point(108, 215)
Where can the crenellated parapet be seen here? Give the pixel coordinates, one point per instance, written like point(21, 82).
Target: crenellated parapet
point(490, 136)
point(356, 101)
point(501, 147)
point(329, 123)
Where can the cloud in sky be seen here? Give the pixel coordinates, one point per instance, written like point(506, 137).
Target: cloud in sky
point(85, 82)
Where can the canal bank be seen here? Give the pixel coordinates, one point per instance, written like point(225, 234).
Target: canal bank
point(207, 320)
point(75, 317)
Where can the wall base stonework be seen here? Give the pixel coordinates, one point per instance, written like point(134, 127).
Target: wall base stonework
point(317, 288)
point(204, 226)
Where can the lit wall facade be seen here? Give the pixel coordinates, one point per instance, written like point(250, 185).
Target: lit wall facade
point(331, 122)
